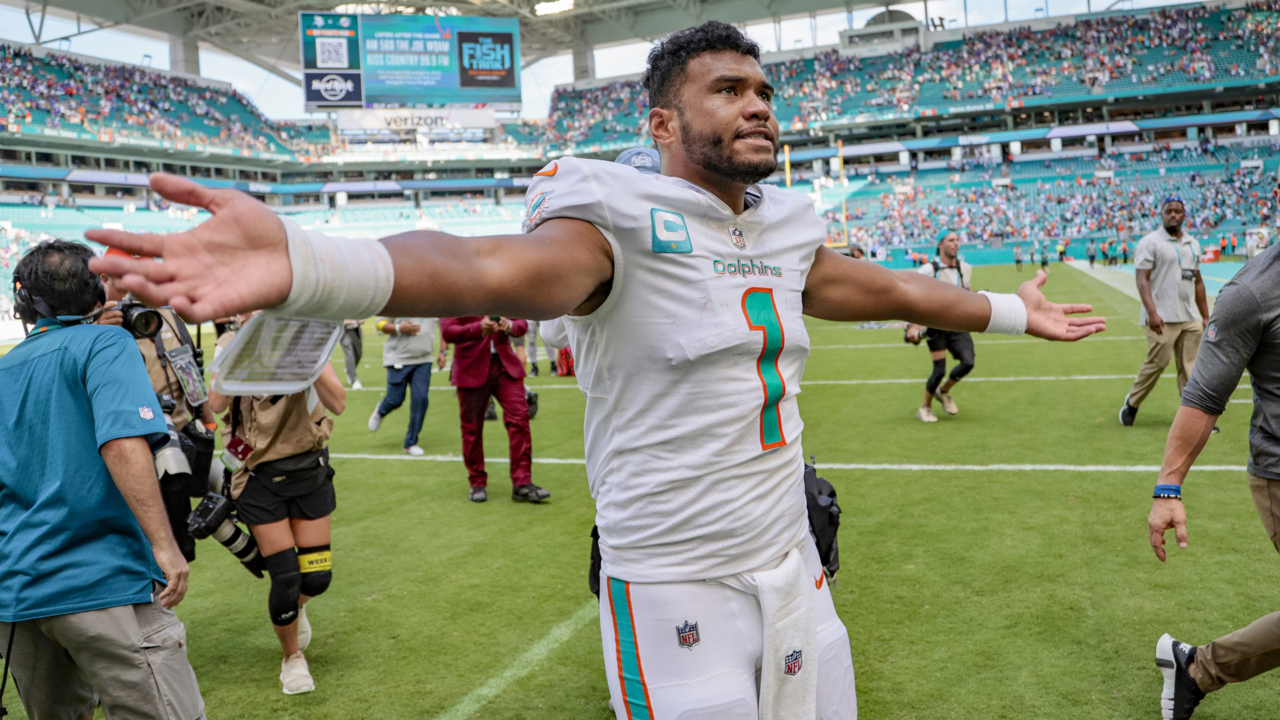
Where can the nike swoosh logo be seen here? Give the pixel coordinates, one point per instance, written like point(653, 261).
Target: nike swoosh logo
point(555, 168)
point(818, 583)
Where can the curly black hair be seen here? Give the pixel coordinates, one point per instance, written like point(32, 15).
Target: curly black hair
point(669, 58)
point(58, 273)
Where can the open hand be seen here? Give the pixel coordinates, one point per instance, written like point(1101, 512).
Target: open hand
point(235, 261)
point(1166, 514)
point(1051, 321)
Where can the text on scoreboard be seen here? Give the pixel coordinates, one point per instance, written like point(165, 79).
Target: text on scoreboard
point(408, 61)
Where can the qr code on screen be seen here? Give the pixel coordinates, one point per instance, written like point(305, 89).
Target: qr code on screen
point(331, 53)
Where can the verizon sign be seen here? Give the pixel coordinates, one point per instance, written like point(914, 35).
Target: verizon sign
point(409, 119)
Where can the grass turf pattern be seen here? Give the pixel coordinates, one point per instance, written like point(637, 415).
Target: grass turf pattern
point(969, 594)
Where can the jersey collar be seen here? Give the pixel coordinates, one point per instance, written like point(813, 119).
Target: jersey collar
point(44, 325)
point(752, 191)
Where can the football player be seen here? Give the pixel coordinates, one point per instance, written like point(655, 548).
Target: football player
point(687, 293)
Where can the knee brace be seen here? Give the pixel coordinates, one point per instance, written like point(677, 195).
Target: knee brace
point(966, 358)
point(316, 566)
point(939, 370)
point(286, 586)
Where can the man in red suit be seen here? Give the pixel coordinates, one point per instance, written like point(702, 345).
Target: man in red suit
point(484, 365)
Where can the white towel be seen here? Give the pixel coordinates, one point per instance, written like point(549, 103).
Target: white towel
point(789, 667)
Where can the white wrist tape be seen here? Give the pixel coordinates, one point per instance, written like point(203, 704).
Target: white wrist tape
point(1008, 314)
point(335, 278)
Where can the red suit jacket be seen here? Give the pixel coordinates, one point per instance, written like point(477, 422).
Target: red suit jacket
point(471, 350)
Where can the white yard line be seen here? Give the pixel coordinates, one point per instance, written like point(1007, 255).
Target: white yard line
point(869, 381)
point(907, 467)
point(468, 706)
point(980, 344)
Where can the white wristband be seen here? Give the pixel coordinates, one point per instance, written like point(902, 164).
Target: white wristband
point(335, 278)
point(1008, 314)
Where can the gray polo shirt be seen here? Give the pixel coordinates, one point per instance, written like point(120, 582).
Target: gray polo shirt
point(1167, 258)
point(1244, 332)
point(402, 350)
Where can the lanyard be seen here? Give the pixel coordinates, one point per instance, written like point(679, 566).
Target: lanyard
point(939, 267)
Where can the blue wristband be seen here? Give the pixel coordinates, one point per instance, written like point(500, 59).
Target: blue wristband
point(1169, 491)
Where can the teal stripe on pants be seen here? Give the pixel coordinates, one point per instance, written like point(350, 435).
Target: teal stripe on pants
point(632, 686)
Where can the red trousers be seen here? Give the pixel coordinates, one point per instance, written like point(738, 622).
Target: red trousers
point(472, 404)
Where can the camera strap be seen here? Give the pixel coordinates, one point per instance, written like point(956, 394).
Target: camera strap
point(4, 677)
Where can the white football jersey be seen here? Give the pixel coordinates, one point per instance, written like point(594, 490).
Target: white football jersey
point(690, 368)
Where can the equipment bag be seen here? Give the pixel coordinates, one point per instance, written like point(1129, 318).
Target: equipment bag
point(824, 518)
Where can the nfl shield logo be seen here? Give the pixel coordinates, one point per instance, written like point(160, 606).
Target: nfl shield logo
point(1212, 332)
point(687, 634)
point(145, 413)
point(739, 240)
point(791, 665)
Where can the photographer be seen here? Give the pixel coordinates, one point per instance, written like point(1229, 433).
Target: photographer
point(89, 569)
point(277, 454)
point(174, 366)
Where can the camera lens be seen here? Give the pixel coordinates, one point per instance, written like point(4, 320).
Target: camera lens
point(142, 322)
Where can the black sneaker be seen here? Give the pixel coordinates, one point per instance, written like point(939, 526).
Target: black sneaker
point(531, 399)
point(1128, 413)
point(529, 493)
point(478, 494)
point(1181, 694)
point(533, 369)
point(1215, 430)
point(492, 412)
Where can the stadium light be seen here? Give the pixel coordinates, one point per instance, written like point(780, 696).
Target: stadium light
point(552, 7)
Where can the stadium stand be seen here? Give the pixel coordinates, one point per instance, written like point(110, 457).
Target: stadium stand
point(1165, 50)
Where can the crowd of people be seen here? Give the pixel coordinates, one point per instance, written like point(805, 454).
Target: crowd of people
point(1052, 208)
point(107, 98)
point(986, 66)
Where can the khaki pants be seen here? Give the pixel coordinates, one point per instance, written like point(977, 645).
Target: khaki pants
point(1255, 649)
point(131, 658)
point(1179, 341)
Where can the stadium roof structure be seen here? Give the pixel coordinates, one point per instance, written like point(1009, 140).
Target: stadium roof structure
point(265, 32)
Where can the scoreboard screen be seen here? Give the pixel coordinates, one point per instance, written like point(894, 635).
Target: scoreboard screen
point(409, 61)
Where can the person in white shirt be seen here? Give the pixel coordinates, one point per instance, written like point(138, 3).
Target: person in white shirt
point(686, 294)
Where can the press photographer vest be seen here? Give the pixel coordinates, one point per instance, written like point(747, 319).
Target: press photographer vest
point(162, 377)
point(276, 427)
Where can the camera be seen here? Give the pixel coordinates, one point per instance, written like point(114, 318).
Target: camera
point(172, 466)
point(141, 321)
point(212, 518)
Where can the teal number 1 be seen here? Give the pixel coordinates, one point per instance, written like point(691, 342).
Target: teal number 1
point(762, 316)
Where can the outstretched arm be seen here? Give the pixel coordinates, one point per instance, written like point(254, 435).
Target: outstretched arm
point(839, 288)
point(238, 260)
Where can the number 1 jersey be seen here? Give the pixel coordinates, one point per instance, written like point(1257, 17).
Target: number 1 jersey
point(690, 368)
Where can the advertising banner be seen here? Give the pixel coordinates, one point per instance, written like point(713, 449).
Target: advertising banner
point(409, 61)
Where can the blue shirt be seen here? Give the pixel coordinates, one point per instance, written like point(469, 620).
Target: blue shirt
point(68, 540)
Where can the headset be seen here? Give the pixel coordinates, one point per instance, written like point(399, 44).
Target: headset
point(25, 303)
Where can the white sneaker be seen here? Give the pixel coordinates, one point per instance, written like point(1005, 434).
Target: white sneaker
point(295, 676)
point(375, 421)
point(357, 385)
point(304, 630)
point(926, 415)
point(415, 451)
point(947, 403)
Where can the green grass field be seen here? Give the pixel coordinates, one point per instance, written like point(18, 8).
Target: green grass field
point(980, 594)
